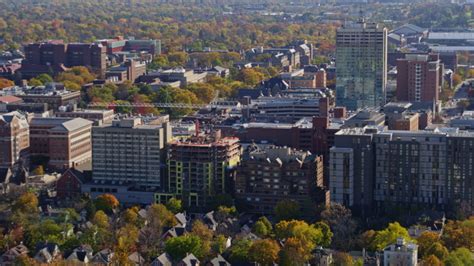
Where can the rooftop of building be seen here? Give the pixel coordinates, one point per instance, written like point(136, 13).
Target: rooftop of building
point(137, 122)
point(8, 117)
point(61, 124)
point(51, 89)
point(275, 153)
point(207, 139)
point(9, 99)
point(451, 36)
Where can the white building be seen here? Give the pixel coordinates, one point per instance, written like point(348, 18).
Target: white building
point(400, 254)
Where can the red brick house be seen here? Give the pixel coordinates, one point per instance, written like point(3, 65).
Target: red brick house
point(70, 183)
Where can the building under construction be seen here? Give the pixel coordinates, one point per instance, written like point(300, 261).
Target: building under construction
point(201, 167)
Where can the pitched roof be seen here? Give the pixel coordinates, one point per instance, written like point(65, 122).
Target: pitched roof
point(190, 259)
point(136, 258)
point(164, 259)
point(9, 99)
point(219, 261)
point(73, 124)
point(82, 176)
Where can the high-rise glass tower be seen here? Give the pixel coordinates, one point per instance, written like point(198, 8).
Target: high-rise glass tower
point(361, 65)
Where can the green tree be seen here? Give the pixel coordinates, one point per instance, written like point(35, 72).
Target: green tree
point(44, 79)
point(239, 251)
point(174, 205)
point(287, 210)
point(264, 251)
point(260, 229)
point(389, 235)
point(460, 256)
point(327, 234)
point(218, 246)
point(179, 246)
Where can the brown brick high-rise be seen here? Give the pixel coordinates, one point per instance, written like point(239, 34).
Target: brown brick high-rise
point(418, 78)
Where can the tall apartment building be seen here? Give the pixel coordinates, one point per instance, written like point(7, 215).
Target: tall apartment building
point(52, 57)
point(130, 150)
point(361, 65)
point(268, 174)
point(425, 168)
point(14, 138)
point(65, 142)
point(200, 167)
point(419, 78)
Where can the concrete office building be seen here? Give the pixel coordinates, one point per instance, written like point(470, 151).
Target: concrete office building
point(292, 107)
point(131, 150)
point(98, 116)
point(423, 168)
point(268, 174)
point(53, 94)
point(361, 65)
point(66, 142)
point(14, 138)
point(200, 168)
point(419, 78)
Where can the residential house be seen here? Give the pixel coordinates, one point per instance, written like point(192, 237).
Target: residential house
point(9, 257)
point(162, 260)
point(70, 183)
point(189, 260)
point(47, 253)
point(218, 261)
point(81, 254)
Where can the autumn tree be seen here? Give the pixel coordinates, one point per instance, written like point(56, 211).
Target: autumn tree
point(431, 260)
point(5, 83)
point(425, 241)
point(126, 241)
point(39, 170)
point(459, 234)
point(157, 217)
point(25, 209)
point(106, 202)
point(177, 59)
point(264, 251)
point(205, 234)
point(342, 259)
point(250, 76)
